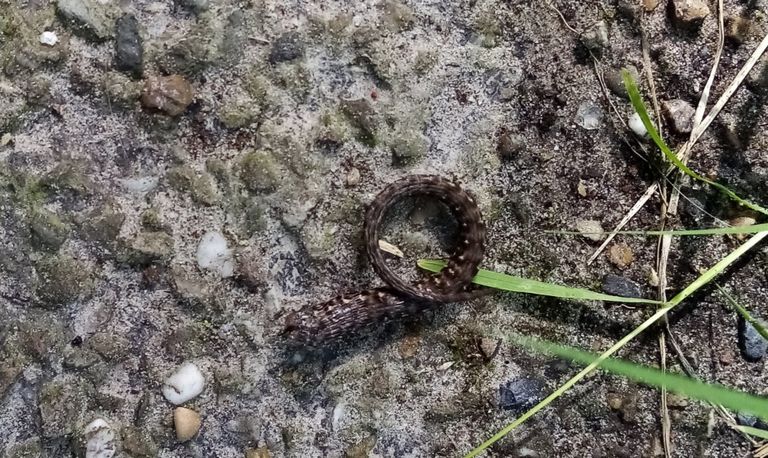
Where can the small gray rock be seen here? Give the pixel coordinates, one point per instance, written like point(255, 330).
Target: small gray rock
point(63, 404)
point(48, 232)
point(589, 115)
point(502, 84)
point(93, 15)
point(679, 114)
point(129, 53)
point(615, 82)
point(196, 6)
point(520, 394)
point(149, 247)
point(596, 38)
point(620, 286)
point(287, 47)
point(753, 345)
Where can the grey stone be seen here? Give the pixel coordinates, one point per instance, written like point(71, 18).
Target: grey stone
point(679, 114)
point(62, 279)
point(64, 402)
point(520, 394)
point(620, 286)
point(596, 38)
point(93, 15)
point(48, 232)
point(129, 53)
point(752, 344)
point(286, 47)
point(615, 82)
point(196, 6)
point(149, 247)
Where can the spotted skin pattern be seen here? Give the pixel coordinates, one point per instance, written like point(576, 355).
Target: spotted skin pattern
point(345, 314)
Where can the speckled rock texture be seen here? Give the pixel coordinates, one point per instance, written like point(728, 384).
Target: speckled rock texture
point(148, 125)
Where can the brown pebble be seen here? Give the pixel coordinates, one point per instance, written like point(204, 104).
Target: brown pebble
point(690, 12)
point(726, 357)
point(260, 452)
point(171, 94)
point(679, 114)
point(353, 177)
point(742, 221)
point(489, 347)
point(621, 255)
point(187, 423)
point(738, 29)
point(614, 401)
point(509, 145)
point(409, 346)
point(650, 5)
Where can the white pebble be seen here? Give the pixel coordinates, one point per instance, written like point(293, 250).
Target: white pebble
point(590, 229)
point(213, 254)
point(186, 383)
point(637, 126)
point(140, 185)
point(100, 440)
point(49, 38)
point(589, 115)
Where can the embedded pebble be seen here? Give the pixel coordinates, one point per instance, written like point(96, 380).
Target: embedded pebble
point(213, 254)
point(690, 12)
point(520, 394)
point(679, 114)
point(185, 384)
point(353, 177)
point(590, 229)
point(742, 221)
point(753, 345)
point(49, 38)
point(287, 47)
point(100, 440)
point(738, 29)
point(171, 94)
point(187, 423)
point(509, 145)
point(621, 255)
point(589, 115)
point(129, 54)
point(596, 38)
point(620, 286)
point(94, 15)
point(615, 81)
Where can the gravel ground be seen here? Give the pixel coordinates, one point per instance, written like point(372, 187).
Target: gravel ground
point(177, 176)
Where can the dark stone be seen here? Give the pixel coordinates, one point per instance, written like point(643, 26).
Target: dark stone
point(520, 394)
point(287, 47)
point(751, 343)
point(509, 145)
point(620, 286)
point(129, 54)
point(747, 419)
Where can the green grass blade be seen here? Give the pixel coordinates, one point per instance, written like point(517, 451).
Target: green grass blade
point(761, 433)
point(637, 103)
point(692, 388)
point(744, 313)
point(690, 289)
point(523, 285)
point(754, 229)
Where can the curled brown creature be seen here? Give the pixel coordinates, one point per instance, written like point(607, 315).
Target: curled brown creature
point(345, 314)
